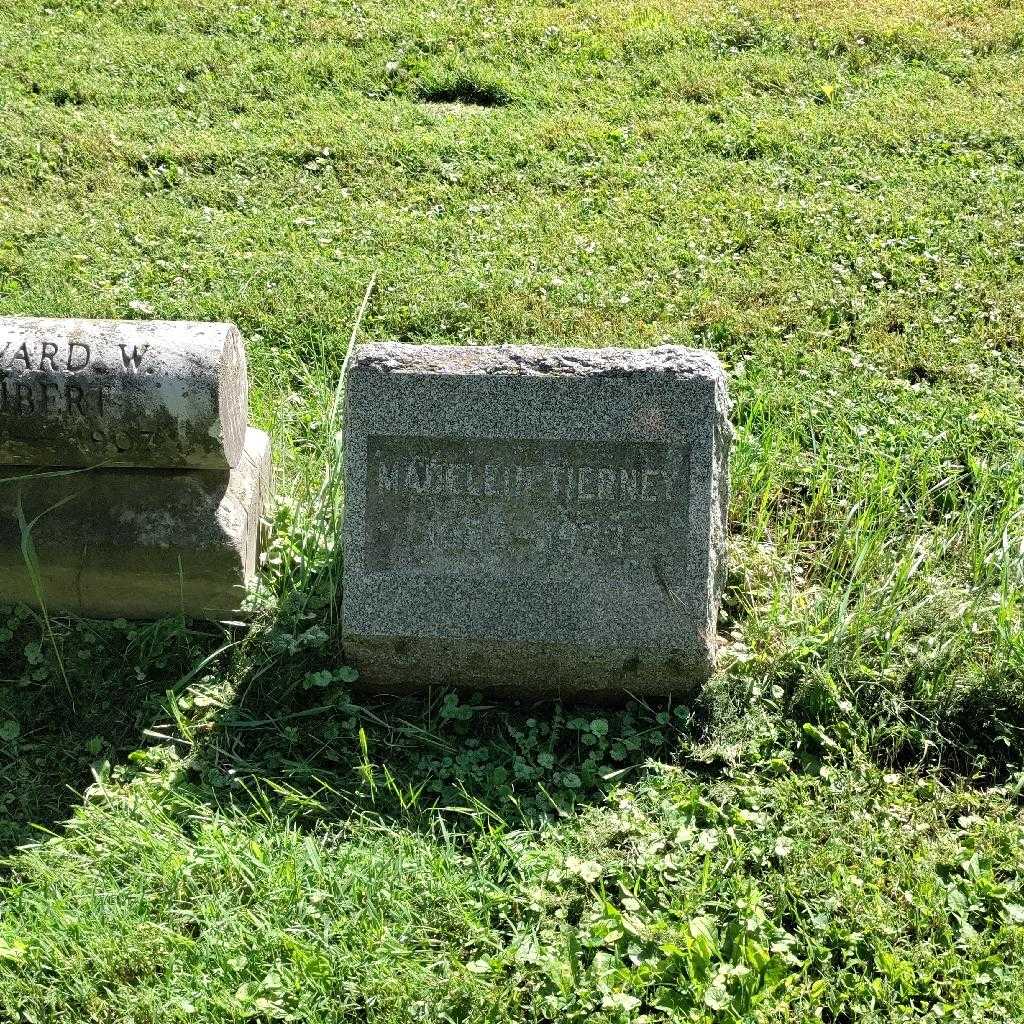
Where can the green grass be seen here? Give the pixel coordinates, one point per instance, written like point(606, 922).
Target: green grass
point(205, 825)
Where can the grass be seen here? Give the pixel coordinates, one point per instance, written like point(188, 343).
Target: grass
point(211, 826)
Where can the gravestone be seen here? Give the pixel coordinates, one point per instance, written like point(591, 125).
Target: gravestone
point(121, 393)
point(533, 520)
point(130, 485)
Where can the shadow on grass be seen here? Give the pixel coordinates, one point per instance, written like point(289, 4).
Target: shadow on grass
point(328, 754)
point(77, 699)
point(269, 716)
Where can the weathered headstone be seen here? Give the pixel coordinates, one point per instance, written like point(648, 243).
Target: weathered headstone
point(121, 393)
point(130, 485)
point(532, 520)
point(134, 543)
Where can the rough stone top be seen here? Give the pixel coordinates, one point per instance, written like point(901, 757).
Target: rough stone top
point(536, 360)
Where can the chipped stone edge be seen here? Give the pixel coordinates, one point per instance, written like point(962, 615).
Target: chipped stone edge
point(534, 360)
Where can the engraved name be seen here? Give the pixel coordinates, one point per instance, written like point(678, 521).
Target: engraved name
point(53, 396)
point(66, 357)
point(495, 480)
point(64, 380)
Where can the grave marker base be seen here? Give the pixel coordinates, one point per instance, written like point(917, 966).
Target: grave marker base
point(135, 543)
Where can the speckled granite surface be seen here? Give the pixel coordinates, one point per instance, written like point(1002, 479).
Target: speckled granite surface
point(534, 520)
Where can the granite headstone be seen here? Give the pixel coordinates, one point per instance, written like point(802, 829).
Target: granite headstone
point(130, 484)
point(534, 520)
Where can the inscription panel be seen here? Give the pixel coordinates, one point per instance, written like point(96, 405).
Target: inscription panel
point(121, 393)
point(80, 391)
point(501, 506)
